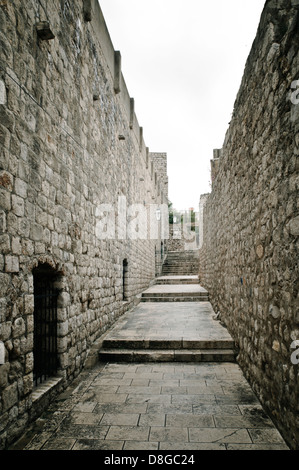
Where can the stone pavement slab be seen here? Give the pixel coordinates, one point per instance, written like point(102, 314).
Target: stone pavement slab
point(177, 280)
point(191, 321)
point(164, 406)
point(166, 332)
point(175, 289)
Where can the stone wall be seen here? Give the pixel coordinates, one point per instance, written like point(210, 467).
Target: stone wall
point(71, 152)
point(249, 257)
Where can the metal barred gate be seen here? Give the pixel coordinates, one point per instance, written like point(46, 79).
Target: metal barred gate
point(45, 327)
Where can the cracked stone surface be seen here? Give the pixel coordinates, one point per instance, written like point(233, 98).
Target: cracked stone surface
point(156, 407)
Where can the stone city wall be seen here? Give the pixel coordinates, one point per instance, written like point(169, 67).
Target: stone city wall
point(70, 143)
point(249, 257)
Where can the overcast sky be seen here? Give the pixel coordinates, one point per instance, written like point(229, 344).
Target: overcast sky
point(183, 61)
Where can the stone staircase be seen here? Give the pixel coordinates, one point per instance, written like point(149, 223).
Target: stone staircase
point(175, 293)
point(177, 280)
point(181, 263)
point(174, 322)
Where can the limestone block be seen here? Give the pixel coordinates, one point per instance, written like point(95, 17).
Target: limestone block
point(5, 244)
point(36, 232)
point(294, 226)
point(4, 370)
point(28, 343)
point(11, 264)
point(21, 188)
point(64, 360)
point(62, 328)
point(2, 221)
point(63, 300)
point(18, 206)
point(30, 324)
point(10, 396)
point(2, 355)
point(274, 311)
point(18, 328)
point(27, 384)
point(3, 97)
point(6, 180)
point(7, 118)
point(62, 344)
point(16, 248)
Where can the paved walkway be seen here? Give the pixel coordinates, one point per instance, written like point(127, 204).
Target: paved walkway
point(173, 404)
point(167, 331)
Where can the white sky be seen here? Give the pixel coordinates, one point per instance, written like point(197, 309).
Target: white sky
point(183, 61)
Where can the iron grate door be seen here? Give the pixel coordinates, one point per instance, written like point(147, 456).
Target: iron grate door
point(45, 329)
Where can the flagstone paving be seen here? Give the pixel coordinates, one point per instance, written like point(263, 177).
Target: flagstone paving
point(192, 321)
point(163, 406)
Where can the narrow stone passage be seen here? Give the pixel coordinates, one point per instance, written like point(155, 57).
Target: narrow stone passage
point(167, 379)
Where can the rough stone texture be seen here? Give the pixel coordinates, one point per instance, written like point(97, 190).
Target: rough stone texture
point(68, 143)
point(249, 256)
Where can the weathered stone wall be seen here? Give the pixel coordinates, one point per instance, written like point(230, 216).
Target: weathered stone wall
point(69, 143)
point(249, 257)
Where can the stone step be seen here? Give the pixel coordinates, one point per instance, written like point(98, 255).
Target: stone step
point(176, 281)
point(173, 272)
point(179, 268)
point(178, 293)
point(180, 261)
point(175, 299)
point(180, 265)
point(175, 293)
point(177, 255)
point(141, 355)
point(167, 344)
